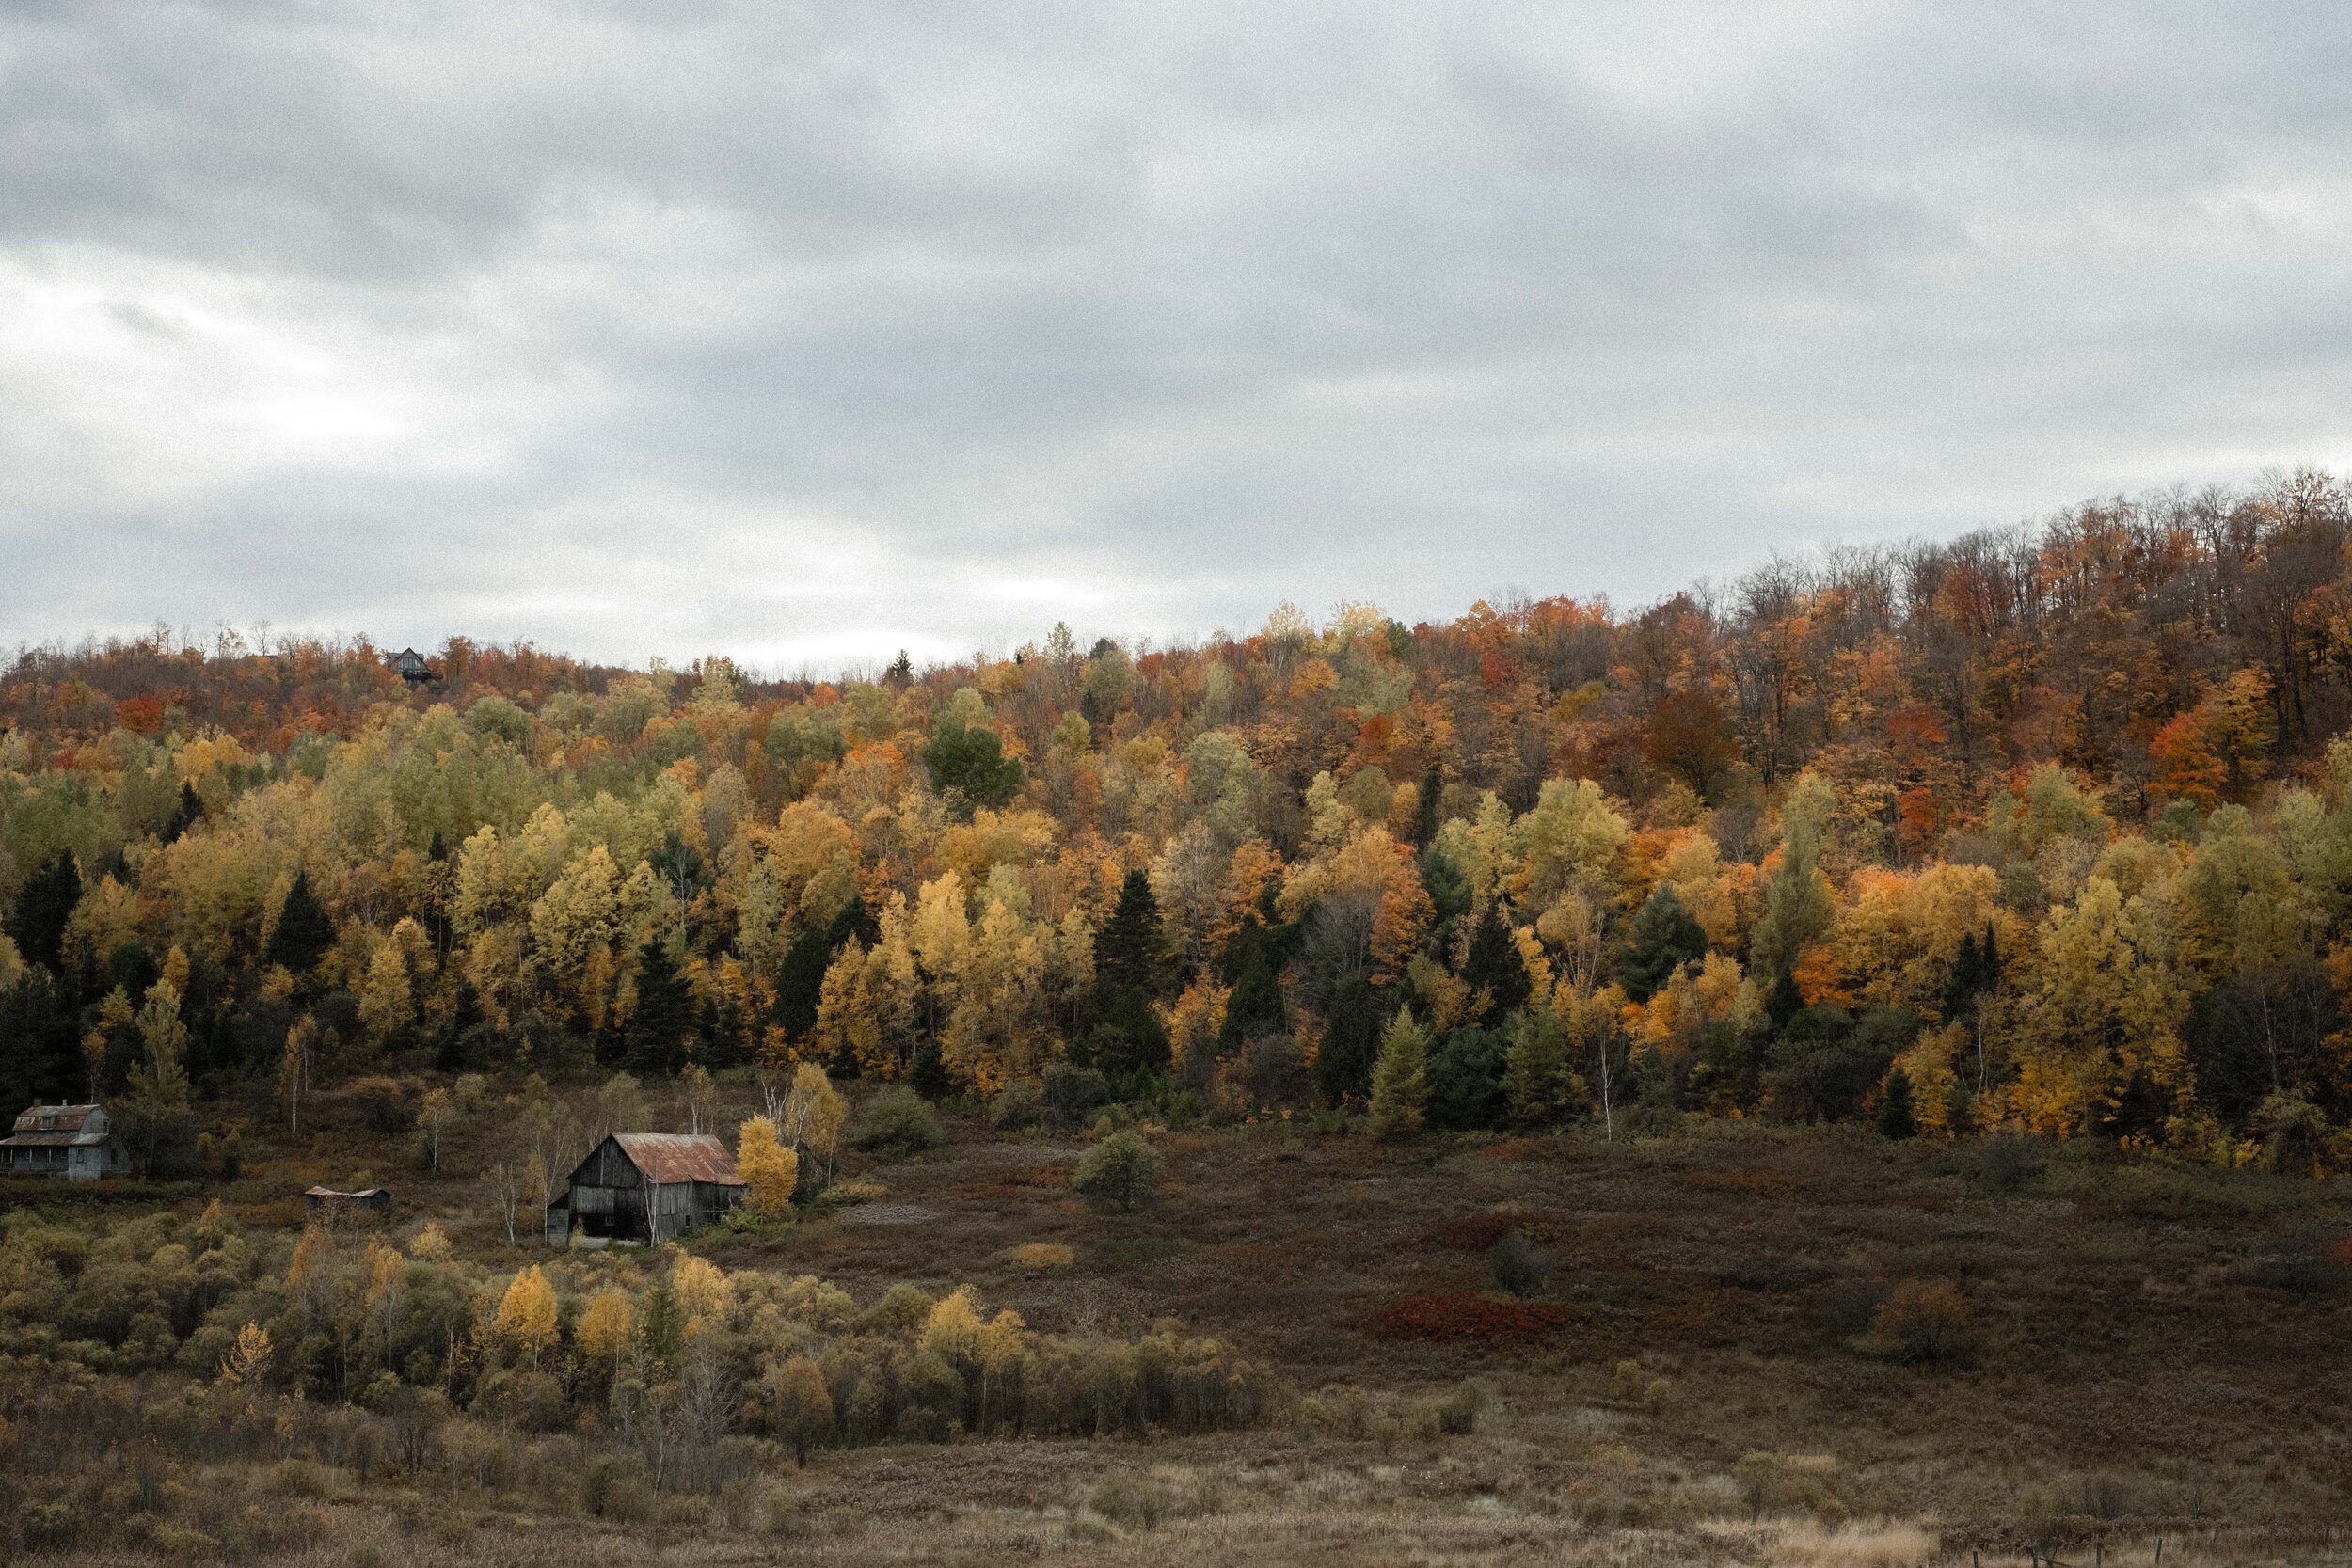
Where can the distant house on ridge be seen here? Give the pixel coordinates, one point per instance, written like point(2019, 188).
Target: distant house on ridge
point(646, 1187)
point(409, 665)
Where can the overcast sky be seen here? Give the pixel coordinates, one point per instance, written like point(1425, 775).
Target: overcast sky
point(805, 332)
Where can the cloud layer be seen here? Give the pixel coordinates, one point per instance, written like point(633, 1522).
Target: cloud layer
point(808, 331)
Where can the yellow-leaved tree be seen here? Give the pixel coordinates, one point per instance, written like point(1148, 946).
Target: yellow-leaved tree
point(605, 1327)
point(814, 1112)
point(704, 1292)
point(769, 1170)
point(526, 1317)
point(248, 1360)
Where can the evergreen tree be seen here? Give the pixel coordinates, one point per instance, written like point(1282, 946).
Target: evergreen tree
point(1464, 1078)
point(1130, 953)
point(1494, 966)
point(1537, 1082)
point(928, 1073)
point(303, 932)
point(801, 982)
point(1449, 890)
point(43, 906)
point(460, 1046)
point(1351, 1041)
point(40, 1056)
point(1783, 1002)
point(1962, 988)
point(1896, 1119)
point(1255, 1006)
point(186, 814)
point(1128, 1043)
point(1400, 1084)
point(1425, 805)
point(801, 978)
point(664, 1017)
point(1665, 936)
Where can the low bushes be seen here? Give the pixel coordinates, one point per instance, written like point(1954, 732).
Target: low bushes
point(896, 1120)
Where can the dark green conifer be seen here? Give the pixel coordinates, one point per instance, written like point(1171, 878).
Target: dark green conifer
point(1665, 936)
point(1494, 966)
point(303, 932)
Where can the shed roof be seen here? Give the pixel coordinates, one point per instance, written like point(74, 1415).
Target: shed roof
point(363, 1196)
point(668, 1157)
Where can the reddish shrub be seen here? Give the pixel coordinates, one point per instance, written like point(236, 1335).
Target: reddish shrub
point(1442, 1318)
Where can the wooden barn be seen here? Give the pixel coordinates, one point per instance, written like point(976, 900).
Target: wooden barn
point(646, 1187)
point(328, 1202)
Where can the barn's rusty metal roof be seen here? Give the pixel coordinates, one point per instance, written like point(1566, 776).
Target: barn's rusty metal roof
point(668, 1157)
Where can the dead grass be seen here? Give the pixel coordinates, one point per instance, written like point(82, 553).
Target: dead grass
point(2136, 1371)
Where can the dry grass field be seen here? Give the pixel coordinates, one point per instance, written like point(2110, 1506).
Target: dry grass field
point(2140, 1352)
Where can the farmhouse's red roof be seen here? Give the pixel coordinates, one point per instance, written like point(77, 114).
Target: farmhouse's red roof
point(668, 1157)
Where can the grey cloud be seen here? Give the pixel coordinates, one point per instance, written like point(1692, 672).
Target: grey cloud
point(842, 326)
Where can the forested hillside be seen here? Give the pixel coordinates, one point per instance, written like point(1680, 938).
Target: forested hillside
point(2049, 827)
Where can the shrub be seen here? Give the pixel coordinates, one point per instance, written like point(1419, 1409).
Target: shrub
point(1132, 1502)
point(848, 1195)
point(1457, 1413)
point(1073, 1094)
point(1019, 1106)
point(1042, 1257)
point(1121, 1170)
point(387, 1105)
point(1520, 1268)
point(2304, 1270)
point(2010, 1159)
point(896, 1121)
point(780, 1513)
point(1923, 1321)
point(611, 1490)
point(1442, 1319)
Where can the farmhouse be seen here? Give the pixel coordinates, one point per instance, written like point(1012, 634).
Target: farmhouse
point(76, 1142)
point(646, 1187)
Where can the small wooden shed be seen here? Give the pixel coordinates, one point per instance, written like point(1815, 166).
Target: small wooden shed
point(328, 1202)
point(646, 1187)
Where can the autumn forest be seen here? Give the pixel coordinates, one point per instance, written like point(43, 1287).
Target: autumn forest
point(2049, 828)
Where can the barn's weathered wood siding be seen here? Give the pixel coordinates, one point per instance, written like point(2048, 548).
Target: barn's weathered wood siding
point(609, 1197)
